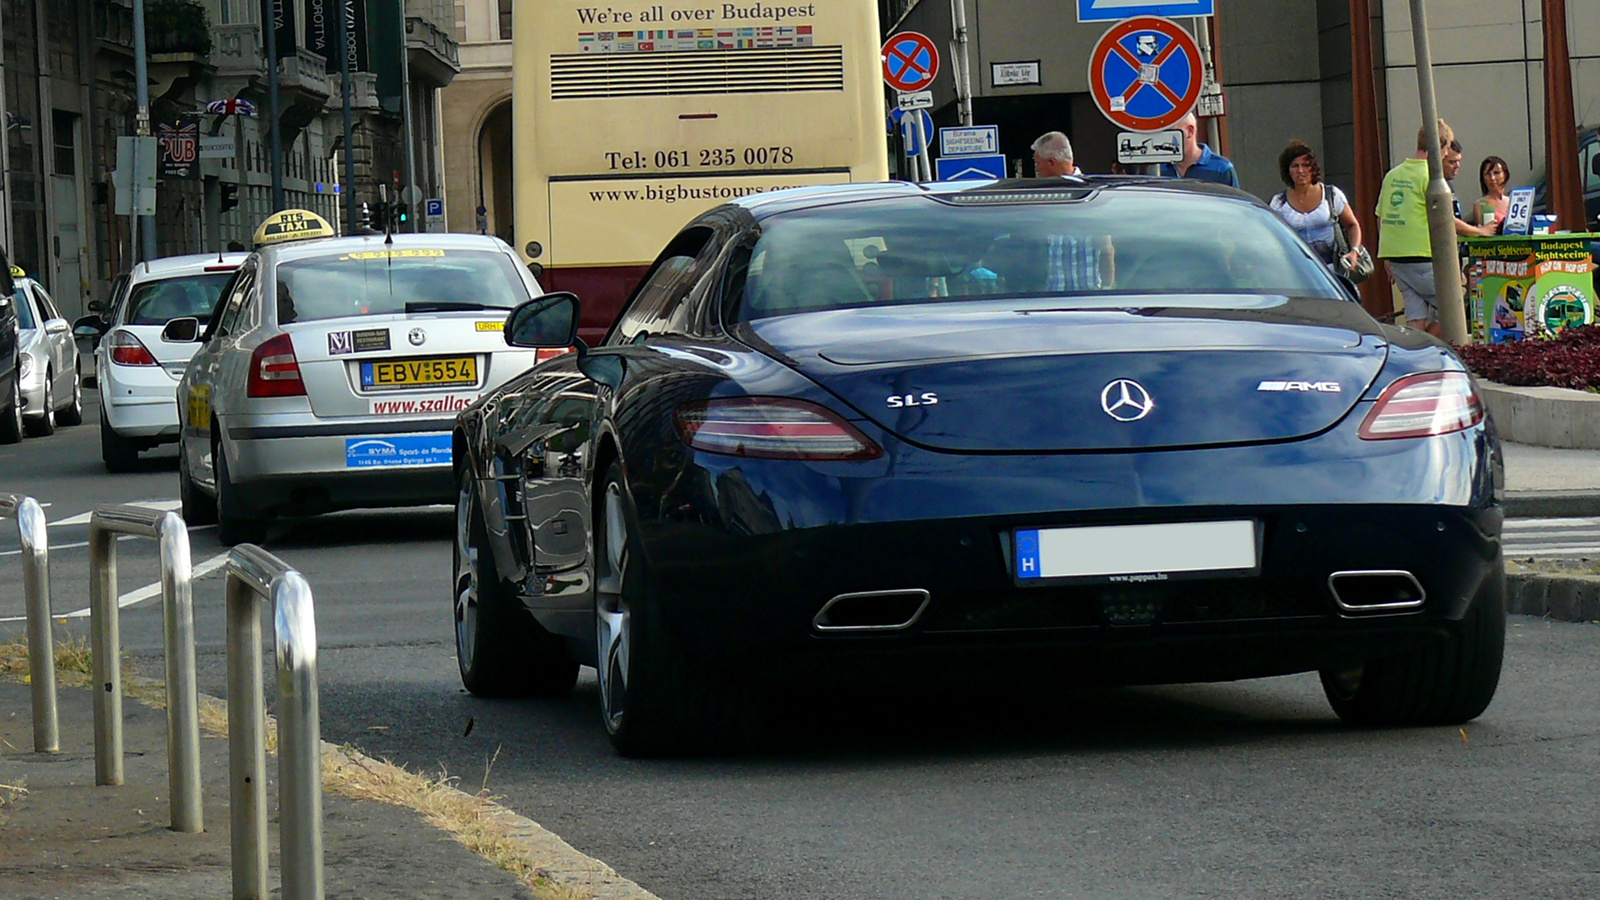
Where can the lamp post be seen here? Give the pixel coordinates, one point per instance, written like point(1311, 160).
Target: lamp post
point(1441, 211)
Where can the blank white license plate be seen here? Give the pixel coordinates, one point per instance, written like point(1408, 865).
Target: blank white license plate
point(1136, 552)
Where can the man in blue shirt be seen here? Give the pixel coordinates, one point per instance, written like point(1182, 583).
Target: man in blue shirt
point(1198, 159)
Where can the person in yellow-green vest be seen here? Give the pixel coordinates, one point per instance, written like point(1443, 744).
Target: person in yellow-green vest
point(1404, 243)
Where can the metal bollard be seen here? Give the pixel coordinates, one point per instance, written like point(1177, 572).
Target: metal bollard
point(255, 574)
point(33, 534)
point(177, 602)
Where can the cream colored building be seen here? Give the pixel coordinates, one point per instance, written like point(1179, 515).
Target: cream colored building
point(476, 113)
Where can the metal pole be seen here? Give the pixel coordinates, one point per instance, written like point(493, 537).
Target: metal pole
point(1376, 295)
point(247, 749)
point(349, 179)
point(410, 196)
point(33, 535)
point(299, 739)
point(1565, 182)
point(141, 77)
point(276, 140)
point(104, 663)
point(959, 61)
point(183, 718)
point(1441, 214)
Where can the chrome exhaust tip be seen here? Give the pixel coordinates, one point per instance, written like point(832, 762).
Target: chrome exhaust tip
point(871, 611)
point(1368, 591)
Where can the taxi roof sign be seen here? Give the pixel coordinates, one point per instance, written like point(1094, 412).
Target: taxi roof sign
point(17, 272)
point(292, 225)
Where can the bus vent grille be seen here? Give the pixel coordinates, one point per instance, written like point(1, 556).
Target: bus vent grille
point(753, 71)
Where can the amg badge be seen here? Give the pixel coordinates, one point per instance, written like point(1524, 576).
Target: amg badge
point(925, 399)
point(1318, 387)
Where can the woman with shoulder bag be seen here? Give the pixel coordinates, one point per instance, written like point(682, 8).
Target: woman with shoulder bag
point(1320, 213)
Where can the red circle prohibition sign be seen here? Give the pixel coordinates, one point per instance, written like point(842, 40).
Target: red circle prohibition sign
point(1155, 92)
point(910, 61)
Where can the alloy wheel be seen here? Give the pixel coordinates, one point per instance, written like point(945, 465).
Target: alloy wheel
point(612, 624)
point(466, 565)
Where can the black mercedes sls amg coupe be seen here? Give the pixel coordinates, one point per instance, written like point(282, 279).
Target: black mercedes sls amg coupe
point(1121, 430)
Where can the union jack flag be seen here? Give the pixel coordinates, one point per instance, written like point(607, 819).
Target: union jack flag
point(233, 107)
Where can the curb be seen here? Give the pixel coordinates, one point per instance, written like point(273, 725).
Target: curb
point(1543, 416)
point(1551, 504)
point(1564, 598)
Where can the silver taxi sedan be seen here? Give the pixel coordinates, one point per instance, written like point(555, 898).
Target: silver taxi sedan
point(330, 374)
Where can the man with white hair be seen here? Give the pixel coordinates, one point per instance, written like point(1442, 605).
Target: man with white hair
point(1200, 161)
point(1052, 156)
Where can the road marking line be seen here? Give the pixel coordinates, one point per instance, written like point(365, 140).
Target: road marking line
point(1549, 523)
point(142, 594)
point(83, 518)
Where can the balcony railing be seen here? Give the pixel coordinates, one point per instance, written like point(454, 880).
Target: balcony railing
point(237, 50)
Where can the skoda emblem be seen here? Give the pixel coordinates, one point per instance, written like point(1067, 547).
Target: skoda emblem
point(417, 337)
point(1126, 400)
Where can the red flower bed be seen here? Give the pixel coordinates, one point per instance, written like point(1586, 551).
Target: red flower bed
point(1570, 361)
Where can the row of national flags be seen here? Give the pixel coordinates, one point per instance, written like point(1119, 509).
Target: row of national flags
point(680, 39)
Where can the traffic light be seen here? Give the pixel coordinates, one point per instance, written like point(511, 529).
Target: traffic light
point(380, 216)
point(230, 196)
point(402, 213)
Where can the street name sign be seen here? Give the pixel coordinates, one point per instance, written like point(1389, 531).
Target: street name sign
point(1010, 74)
point(971, 140)
point(1135, 147)
point(965, 168)
point(1145, 74)
point(1117, 10)
point(219, 147)
point(910, 61)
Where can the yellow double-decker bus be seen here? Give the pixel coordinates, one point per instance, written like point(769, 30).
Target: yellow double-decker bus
point(630, 119)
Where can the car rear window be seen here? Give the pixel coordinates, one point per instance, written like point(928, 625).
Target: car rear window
point(381, 282)
point(1089, 249)
point(158, 302)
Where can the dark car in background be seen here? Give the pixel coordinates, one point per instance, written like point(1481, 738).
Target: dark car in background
point(1104, 430)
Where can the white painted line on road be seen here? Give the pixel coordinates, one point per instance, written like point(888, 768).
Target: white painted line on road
point(72, 546)
point(1541, 551)
point(83, 518)
point(142, 594)
point(1515, 524)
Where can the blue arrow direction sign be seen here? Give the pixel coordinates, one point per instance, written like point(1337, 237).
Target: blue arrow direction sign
point(963, 168)
point(1115, 10)
point(901, 119)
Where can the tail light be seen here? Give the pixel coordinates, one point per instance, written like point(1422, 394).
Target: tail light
point(771, 428)
point(1424, 405)
point(128, 350)
point(274, 372)
point(545, 353)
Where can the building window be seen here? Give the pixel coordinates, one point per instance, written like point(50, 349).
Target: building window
point(66, 127)
point(505, 20)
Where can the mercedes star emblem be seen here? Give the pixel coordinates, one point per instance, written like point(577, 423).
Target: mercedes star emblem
point(1126, 400)
point(418, 337)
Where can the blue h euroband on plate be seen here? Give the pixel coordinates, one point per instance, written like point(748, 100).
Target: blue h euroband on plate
point(1116, 10)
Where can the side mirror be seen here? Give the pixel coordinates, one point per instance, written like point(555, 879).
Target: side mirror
point(89, 327)
point(96, 307)
point(545, 322)
point(185, 330)
point(55, 326)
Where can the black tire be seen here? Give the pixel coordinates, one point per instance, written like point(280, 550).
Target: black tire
point(72, 413)
point(1445, 682)
point(500, 649)
point(235, 525)
point(198, 508)
point(655, 698)
point(11, 416)
point(45, 425)
point(119, 453)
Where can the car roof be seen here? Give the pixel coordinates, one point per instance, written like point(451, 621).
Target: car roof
point(1004, 190)
point(191, 264)
point(307, 249)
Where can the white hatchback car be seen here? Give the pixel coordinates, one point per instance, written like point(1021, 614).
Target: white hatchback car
point(138, 372)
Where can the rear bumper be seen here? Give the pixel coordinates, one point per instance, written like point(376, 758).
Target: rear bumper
point(299, 465)
point(140, 402)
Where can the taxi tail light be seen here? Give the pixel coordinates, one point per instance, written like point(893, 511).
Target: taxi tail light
point(274, 372)
point(128, 350)
point(545, 353)
point(1424, 405)
point(771, 428)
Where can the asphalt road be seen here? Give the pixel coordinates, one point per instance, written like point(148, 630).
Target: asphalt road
point(1003, 790)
